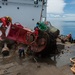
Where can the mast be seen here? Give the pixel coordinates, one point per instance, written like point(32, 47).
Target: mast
point(41, 10)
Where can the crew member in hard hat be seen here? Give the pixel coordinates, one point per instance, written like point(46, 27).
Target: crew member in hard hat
point(5, 21)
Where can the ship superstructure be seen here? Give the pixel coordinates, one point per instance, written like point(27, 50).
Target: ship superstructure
point(26, 12)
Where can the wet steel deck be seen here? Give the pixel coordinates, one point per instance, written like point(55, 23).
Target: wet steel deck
point(60, 66)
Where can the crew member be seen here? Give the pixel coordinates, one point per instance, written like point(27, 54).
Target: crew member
point(69, 36)
point(5, 21)
point(21, 51)
point(42, 26)
point(36, 32)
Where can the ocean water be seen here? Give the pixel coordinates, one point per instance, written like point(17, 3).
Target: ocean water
point(65, 27)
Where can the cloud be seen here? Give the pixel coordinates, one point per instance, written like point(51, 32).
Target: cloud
point(55, 6)
point(55, 15)
point(69, 17)
point(63, 17)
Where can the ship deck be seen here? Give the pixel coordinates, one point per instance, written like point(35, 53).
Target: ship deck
point(59, 66)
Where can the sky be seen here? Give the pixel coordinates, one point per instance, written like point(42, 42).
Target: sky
point(61, 10)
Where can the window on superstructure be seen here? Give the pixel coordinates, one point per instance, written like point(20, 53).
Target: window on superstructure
point(4, 0)
point(17, 7)
point(40, 0)
point(35, 1)
point(44, 1)
point(0, 6)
